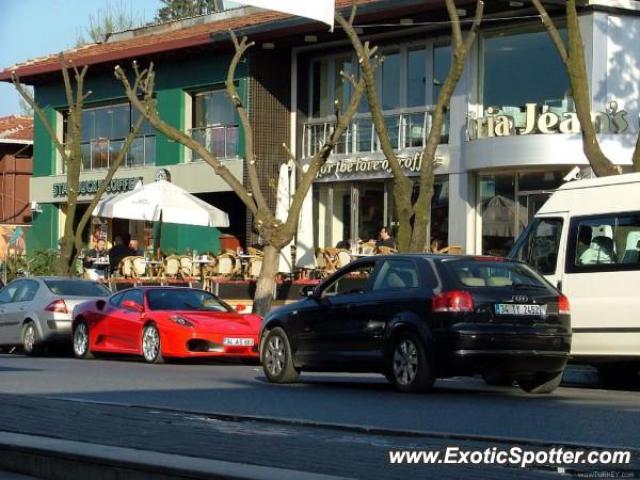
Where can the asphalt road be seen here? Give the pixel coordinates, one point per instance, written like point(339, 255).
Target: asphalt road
point(585, 416)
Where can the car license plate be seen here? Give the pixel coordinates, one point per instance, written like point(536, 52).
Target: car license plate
point(239, 342)
point(519, 309)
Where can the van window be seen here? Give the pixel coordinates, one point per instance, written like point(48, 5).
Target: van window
point(539, 244)
point(605, 243)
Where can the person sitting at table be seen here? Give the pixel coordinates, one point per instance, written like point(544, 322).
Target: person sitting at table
point(385, 239)
point(96, 272)
point(134, 246)
point(118, 252)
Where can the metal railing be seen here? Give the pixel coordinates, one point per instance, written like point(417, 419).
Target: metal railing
point(407, 128)
point(222, 140)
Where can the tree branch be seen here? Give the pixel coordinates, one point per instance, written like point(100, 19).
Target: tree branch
point(549, 24)
point(148, 110)
point(252, 171)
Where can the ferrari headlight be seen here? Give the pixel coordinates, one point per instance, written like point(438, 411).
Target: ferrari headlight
point(180, 320)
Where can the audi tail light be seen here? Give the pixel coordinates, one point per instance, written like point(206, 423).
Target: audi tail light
point(455, 301)
point(563, 305)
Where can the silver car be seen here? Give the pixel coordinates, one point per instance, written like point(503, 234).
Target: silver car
point(35, 311)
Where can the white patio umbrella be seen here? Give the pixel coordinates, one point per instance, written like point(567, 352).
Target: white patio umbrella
point(305, 255)
point(283, 199)
point(162, 201)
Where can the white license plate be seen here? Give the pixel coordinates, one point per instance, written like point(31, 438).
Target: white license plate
point(239, 342)
point(519, 309)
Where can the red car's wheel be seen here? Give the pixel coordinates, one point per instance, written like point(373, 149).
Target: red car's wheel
point(151, 347)
point(81, 348)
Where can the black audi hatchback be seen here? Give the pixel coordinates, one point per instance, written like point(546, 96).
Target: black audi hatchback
point(415, 318)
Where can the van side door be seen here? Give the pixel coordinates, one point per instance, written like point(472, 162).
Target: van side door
point(602, 273)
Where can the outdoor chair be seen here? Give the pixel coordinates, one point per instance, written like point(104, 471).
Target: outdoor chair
point(187, 267)
point(254, 267)
point(382, 250)
point(330, 256)
point(171, 267)
point(139, 266)
point(228, 264)
point(343, 258)
point(368, 248)
point(125, 267)
point(255, 252)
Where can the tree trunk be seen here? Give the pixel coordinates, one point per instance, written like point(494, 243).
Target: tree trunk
point(266, 281)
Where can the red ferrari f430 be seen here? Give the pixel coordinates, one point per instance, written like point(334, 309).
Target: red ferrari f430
point(164, 322)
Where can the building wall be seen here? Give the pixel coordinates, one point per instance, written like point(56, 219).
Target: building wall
point(14, 184)
point(270, 91)
point(175, 78)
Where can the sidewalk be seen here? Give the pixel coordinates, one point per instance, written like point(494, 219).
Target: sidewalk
point(76, 436)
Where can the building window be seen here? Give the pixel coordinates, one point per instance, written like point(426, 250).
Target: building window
point(403, 82)
point(521, 68)
point(508, 203)
point(215, 123)
point(104, 130)
point(346, 211)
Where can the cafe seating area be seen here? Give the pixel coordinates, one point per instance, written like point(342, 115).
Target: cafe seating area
point(330, 259)
point(234, 269)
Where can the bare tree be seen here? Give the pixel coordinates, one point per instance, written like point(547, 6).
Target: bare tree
point(275, 233)
point(572, 55)
point(414, 238)
point(115, 17)
point(71, 153)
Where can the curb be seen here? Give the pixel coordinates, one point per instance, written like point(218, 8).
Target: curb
point(56, 459)
point(354, 428)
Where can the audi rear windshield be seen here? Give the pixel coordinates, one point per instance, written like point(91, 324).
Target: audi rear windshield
point(488, 272)
point(77, 288)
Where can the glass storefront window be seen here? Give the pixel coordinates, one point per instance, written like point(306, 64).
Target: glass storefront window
point(391, 81)
point(342, 88)
point(356, 210)
point(215, 123)
point(416, 77)
point(441, 66)
point(320, 97)
point(508, 203)
point(104, 130)
point(371, 215)
point(521, 68)
point(498, 208)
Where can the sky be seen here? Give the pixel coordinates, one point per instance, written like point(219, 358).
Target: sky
point(33, 28)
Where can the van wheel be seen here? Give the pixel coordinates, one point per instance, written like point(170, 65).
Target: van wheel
point(541, 382)
point(408, 368)
point(497, 379)
point(619, 375)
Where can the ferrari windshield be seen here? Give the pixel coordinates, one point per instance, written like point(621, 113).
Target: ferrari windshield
point(185, 299)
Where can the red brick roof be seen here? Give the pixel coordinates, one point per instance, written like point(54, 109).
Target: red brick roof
point(146, 44)
point(16, 127)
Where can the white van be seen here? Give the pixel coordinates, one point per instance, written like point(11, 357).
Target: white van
point(586, 240)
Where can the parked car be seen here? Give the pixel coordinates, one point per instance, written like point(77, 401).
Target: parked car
point(164, 322)
point(586, 241)
point(35, 311)
point(419, 317)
